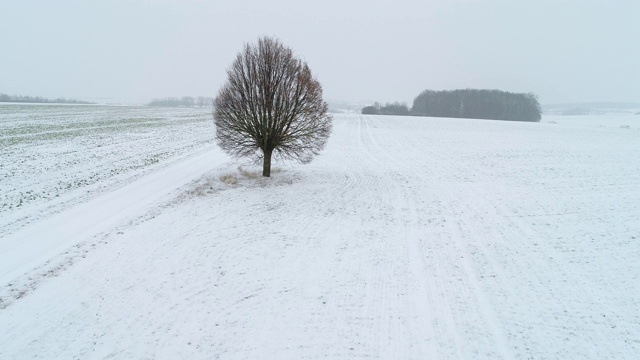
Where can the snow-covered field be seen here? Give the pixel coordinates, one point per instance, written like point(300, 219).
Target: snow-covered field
point(53, 156)
point(407, 238)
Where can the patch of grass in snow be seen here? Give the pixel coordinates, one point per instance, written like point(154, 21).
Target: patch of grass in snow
point(248, 174)
point(208, 184)
point(256, 173)
point(230, 179)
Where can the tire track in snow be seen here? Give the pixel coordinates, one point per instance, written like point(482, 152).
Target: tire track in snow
point(443, 322)
point(456, 230)
point(447, 327)
point(360, 282)
point(459, 265)
point(439, 327)
point(352, 304)
point(453, 251)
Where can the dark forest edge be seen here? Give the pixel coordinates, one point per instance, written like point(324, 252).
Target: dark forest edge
point(467, 103)
point(39, 100)
point(185, 101)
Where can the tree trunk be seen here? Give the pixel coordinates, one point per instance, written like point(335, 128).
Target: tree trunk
point(266, 165)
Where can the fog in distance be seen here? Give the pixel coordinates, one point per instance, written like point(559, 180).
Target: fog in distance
point(134, 51)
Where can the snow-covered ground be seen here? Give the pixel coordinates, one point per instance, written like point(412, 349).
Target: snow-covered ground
point(53, 156)
point(407, 238)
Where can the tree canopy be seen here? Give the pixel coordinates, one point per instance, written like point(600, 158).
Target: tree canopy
point(271, 105)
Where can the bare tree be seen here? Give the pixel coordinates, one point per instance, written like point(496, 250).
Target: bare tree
point(271, 105)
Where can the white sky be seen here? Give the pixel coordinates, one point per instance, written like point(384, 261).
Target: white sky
point(132, 51)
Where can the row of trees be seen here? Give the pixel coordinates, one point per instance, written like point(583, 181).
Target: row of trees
point(467, 103)
point(185, 101)
point(395, 108)
point(38, 99)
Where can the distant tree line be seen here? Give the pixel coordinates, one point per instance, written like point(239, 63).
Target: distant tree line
point(38, 99)
point(468, 103)
point(395, 108)
point(478, 104)
point(185, 101)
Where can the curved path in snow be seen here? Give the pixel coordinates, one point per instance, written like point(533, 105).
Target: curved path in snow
point(34, 244)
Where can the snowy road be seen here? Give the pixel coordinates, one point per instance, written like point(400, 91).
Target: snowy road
point(407, 238)
point(33, 245)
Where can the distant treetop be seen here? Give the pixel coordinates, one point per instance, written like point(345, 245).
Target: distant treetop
point(395, 108)
point(38, 100)
point(185, 101)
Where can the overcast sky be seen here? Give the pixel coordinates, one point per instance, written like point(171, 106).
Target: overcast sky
point(133, 51)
